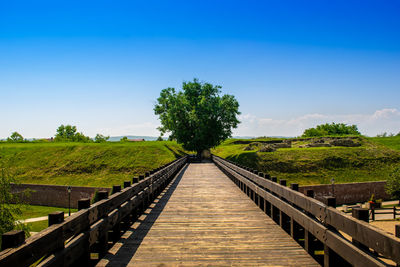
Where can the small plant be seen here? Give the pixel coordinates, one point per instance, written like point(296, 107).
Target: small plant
point(95, 197)
point(372, 199)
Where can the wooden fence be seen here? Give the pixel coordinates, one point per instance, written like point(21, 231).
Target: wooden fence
point(317, 226)
point(89, 231)
point(387, 211)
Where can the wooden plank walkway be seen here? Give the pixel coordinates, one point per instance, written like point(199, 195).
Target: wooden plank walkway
point(202, 218)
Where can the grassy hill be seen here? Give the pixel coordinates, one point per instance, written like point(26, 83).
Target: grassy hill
point(391, 142)
point(85, 164)
point(373, 160)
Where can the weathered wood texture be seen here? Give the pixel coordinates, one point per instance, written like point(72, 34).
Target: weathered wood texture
point(202, 218)
point(316, 219)
point(64, 243)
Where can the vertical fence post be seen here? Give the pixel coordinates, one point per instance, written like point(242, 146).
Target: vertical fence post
point(11, 239)
point(363, 215)
point(294, 187)
point(83, 203)
point(103, 239)
point(127, 184)
point(55, 217)
point(310, 193)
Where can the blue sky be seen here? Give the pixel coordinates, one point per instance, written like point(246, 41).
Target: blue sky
point(100, 65)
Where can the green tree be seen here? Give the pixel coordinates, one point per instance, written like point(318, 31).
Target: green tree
point(101, 138)
point(8, 212)
point(197, 117)
point(15, 137)
point(393, 184)
point(68, 133)
point(124, 139)
point(160, 138)
point(331, 129)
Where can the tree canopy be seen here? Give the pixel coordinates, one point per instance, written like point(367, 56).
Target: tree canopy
point(101, 138)
point(67, 133)
point(15, 137)
point(197, 117)
point(331, 129)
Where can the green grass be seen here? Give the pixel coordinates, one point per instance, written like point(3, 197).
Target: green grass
point(372, 161)
point(85, 164)
point(391, 142)
point(34, 211)
point(38, 226)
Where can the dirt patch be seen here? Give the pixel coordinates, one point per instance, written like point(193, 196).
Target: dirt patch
point(387, 226)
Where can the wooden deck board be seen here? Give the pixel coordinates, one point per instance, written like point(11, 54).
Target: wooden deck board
point(202, 218)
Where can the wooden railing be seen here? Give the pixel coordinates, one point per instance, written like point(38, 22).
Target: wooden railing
point(317, 226)
point(89, 231)
point(384, 211)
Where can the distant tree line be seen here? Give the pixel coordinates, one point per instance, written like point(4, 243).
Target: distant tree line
point(385, 134)
point(335, 129)
point(64, 133)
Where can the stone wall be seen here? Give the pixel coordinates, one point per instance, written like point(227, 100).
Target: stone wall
point(54, 195)
point(351, 192)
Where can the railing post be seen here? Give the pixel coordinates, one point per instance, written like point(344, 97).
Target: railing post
point(310, 193)
point(116, 189)
point(102, 194)
point(127, 184)
point(294, 187)
point(83, 203)
point(12, 239)
point(103, 238)
point(363, 215)
point(373, 213)
point(329, 201)
point(282, 182)
point(135, 180)
point(55, 217)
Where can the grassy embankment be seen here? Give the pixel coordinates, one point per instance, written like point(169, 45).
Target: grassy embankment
point(372, 161)
point(82, 164)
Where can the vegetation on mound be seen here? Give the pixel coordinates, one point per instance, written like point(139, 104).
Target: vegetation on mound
point(371, 161)
point(392, 142)
point(331, 129)
point(85, 164)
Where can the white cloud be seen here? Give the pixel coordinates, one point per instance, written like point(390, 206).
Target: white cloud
point(384, 120)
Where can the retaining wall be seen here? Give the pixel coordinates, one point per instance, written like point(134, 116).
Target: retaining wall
point(351, 192)
point(54, 195)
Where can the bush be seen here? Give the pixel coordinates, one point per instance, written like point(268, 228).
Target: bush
point(101, 138)
point(8, 213)
point(68, 133)
point(393, 184)
point(95, 197)
point(331, 129)
point(15, 138)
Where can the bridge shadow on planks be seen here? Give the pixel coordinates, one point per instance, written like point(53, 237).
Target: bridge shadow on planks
point(132, 239)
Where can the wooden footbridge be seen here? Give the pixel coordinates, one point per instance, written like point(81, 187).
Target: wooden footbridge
point(215, 213)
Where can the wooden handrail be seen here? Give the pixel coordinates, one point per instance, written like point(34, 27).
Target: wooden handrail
point(328, 217)
point(78, 232)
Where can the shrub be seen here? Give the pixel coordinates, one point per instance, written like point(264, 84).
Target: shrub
point(331, 129)
point(393, 184)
